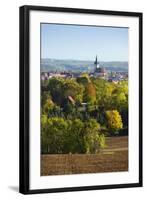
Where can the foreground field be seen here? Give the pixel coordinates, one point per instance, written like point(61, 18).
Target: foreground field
point(113, 158)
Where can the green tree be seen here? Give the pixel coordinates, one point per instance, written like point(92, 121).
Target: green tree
point(73, 89)
point(44, 139)
point(104, 91)
point(94, 140)
point(84, 79)
point(120, 96)
point(55, 86)
point(70, 136)
point(75, 139)
point(44, 96)
point(54, 134)
point(48, 105)
point(60, 89)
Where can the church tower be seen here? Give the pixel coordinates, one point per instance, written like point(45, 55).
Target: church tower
point(96, 63)
point(99, 70)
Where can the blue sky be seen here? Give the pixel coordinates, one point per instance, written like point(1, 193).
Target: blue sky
point(84, 42)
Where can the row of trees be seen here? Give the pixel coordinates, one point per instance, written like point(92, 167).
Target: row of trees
point(71, 136)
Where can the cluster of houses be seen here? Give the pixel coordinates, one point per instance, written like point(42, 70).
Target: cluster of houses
point(47, 75)
point(99, 72)
point(118, 76)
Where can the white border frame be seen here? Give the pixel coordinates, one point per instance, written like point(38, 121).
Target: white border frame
point(132, 176)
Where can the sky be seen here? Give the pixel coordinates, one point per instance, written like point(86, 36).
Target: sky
point(77, 42)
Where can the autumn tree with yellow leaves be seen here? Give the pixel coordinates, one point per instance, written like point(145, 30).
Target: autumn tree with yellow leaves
point(114, 121)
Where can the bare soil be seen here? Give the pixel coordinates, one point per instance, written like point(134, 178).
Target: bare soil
point(114, 158)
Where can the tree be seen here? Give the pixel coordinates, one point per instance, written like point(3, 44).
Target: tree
point(73, 89)
point(69, 108)
point(44, 142)
point(114, 121)
point(53, 134)
point(70, 136)
point(93, 139)
point(120, 96)
point(47, 106)
point(104, 91)
point(44, 96)
point(90, 93)
point(84, 79)
point(55, 86)
point(74, 142)
point(61, 88)
point(120, 101)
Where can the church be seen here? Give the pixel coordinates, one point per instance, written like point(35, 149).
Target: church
point(99, 71)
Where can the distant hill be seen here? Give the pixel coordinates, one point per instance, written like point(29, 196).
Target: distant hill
point(80, 66)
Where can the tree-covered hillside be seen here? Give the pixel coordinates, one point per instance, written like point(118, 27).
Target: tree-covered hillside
point(77, 113)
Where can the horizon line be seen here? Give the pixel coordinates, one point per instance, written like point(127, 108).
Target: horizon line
point(83, 60)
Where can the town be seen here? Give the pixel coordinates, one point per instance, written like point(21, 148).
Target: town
point(98, 72)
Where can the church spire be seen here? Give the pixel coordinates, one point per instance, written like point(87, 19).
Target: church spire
point(96, 63)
